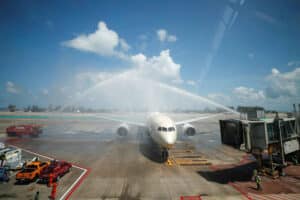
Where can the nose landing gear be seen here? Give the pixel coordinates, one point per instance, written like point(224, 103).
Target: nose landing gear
point(164, 155)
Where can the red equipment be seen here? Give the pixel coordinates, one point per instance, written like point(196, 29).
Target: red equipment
point(53, 191)
point(56, 169)
point(21, 130)
point(50, 180)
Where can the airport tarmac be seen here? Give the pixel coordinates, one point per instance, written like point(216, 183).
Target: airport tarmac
point(129, 168)
point(17, 190)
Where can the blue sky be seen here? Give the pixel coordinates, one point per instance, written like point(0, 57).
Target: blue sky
point(234, 52)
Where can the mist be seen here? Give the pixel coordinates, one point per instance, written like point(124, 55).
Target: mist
point(133, 91)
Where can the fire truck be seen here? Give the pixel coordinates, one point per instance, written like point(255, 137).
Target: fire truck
point(31, 130)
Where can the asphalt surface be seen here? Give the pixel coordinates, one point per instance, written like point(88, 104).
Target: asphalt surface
point(128, 168)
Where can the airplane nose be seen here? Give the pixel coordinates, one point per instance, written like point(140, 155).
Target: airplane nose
point(169, 139)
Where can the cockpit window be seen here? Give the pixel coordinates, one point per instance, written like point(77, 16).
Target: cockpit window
point(166, 129)
point(171, 129)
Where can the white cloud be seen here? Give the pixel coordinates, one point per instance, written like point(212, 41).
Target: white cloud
point(248, 94)
point(88, 78)
point(283, 84)
point(221, 98)
point(103, 42)
point(191, 82)
point(172, 38)
point(294, 63)
point(265, 17)
point(161, 67)
point(139, 59)
point(124, 45)
point(178, 81)
point(275, 71)
point(132, 85)
point(144, 69)
point(45, 92)
point(281, 89)
point(157, 67)
point(291, 63)
point(163, 36)
point(12, 88)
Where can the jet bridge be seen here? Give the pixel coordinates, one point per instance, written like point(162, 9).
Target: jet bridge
point(273, 141)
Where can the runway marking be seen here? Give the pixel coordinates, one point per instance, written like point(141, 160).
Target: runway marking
point(289, 196)
point(240, 191)
point(252, 196)
point(75, 184)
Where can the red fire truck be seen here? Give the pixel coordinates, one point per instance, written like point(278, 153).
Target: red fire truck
point(31, 130)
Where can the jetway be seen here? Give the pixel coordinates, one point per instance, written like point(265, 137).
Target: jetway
point(273, 141)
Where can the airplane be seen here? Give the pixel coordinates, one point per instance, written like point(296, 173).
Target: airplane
point(160, 127)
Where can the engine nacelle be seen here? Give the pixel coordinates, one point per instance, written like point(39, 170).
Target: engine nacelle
point(189, 130)
point(123, 130)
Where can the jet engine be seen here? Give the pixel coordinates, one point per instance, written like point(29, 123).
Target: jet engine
point(189, 130)
point(123, 130)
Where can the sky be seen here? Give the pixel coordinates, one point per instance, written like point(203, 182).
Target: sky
point(234, 52)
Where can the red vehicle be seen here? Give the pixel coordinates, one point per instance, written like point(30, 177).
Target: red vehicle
point(22, 130)
point(57, 169)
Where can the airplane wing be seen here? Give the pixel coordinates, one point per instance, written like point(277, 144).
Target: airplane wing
point(119, 119)
point(143, 124)
point(197, 119)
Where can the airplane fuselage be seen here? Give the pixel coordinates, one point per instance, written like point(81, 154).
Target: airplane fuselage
point(162, 130)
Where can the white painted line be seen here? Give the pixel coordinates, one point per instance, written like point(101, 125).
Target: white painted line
point(71, 187)
point(49, 158)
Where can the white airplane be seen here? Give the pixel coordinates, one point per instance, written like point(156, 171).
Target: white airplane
point(161, 128)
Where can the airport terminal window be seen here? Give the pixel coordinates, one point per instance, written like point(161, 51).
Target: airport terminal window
point(287, 129)
point(270, 132)
point(283, 130)
point(290, 127)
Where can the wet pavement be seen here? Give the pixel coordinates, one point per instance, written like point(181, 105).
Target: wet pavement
point(128, 168)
